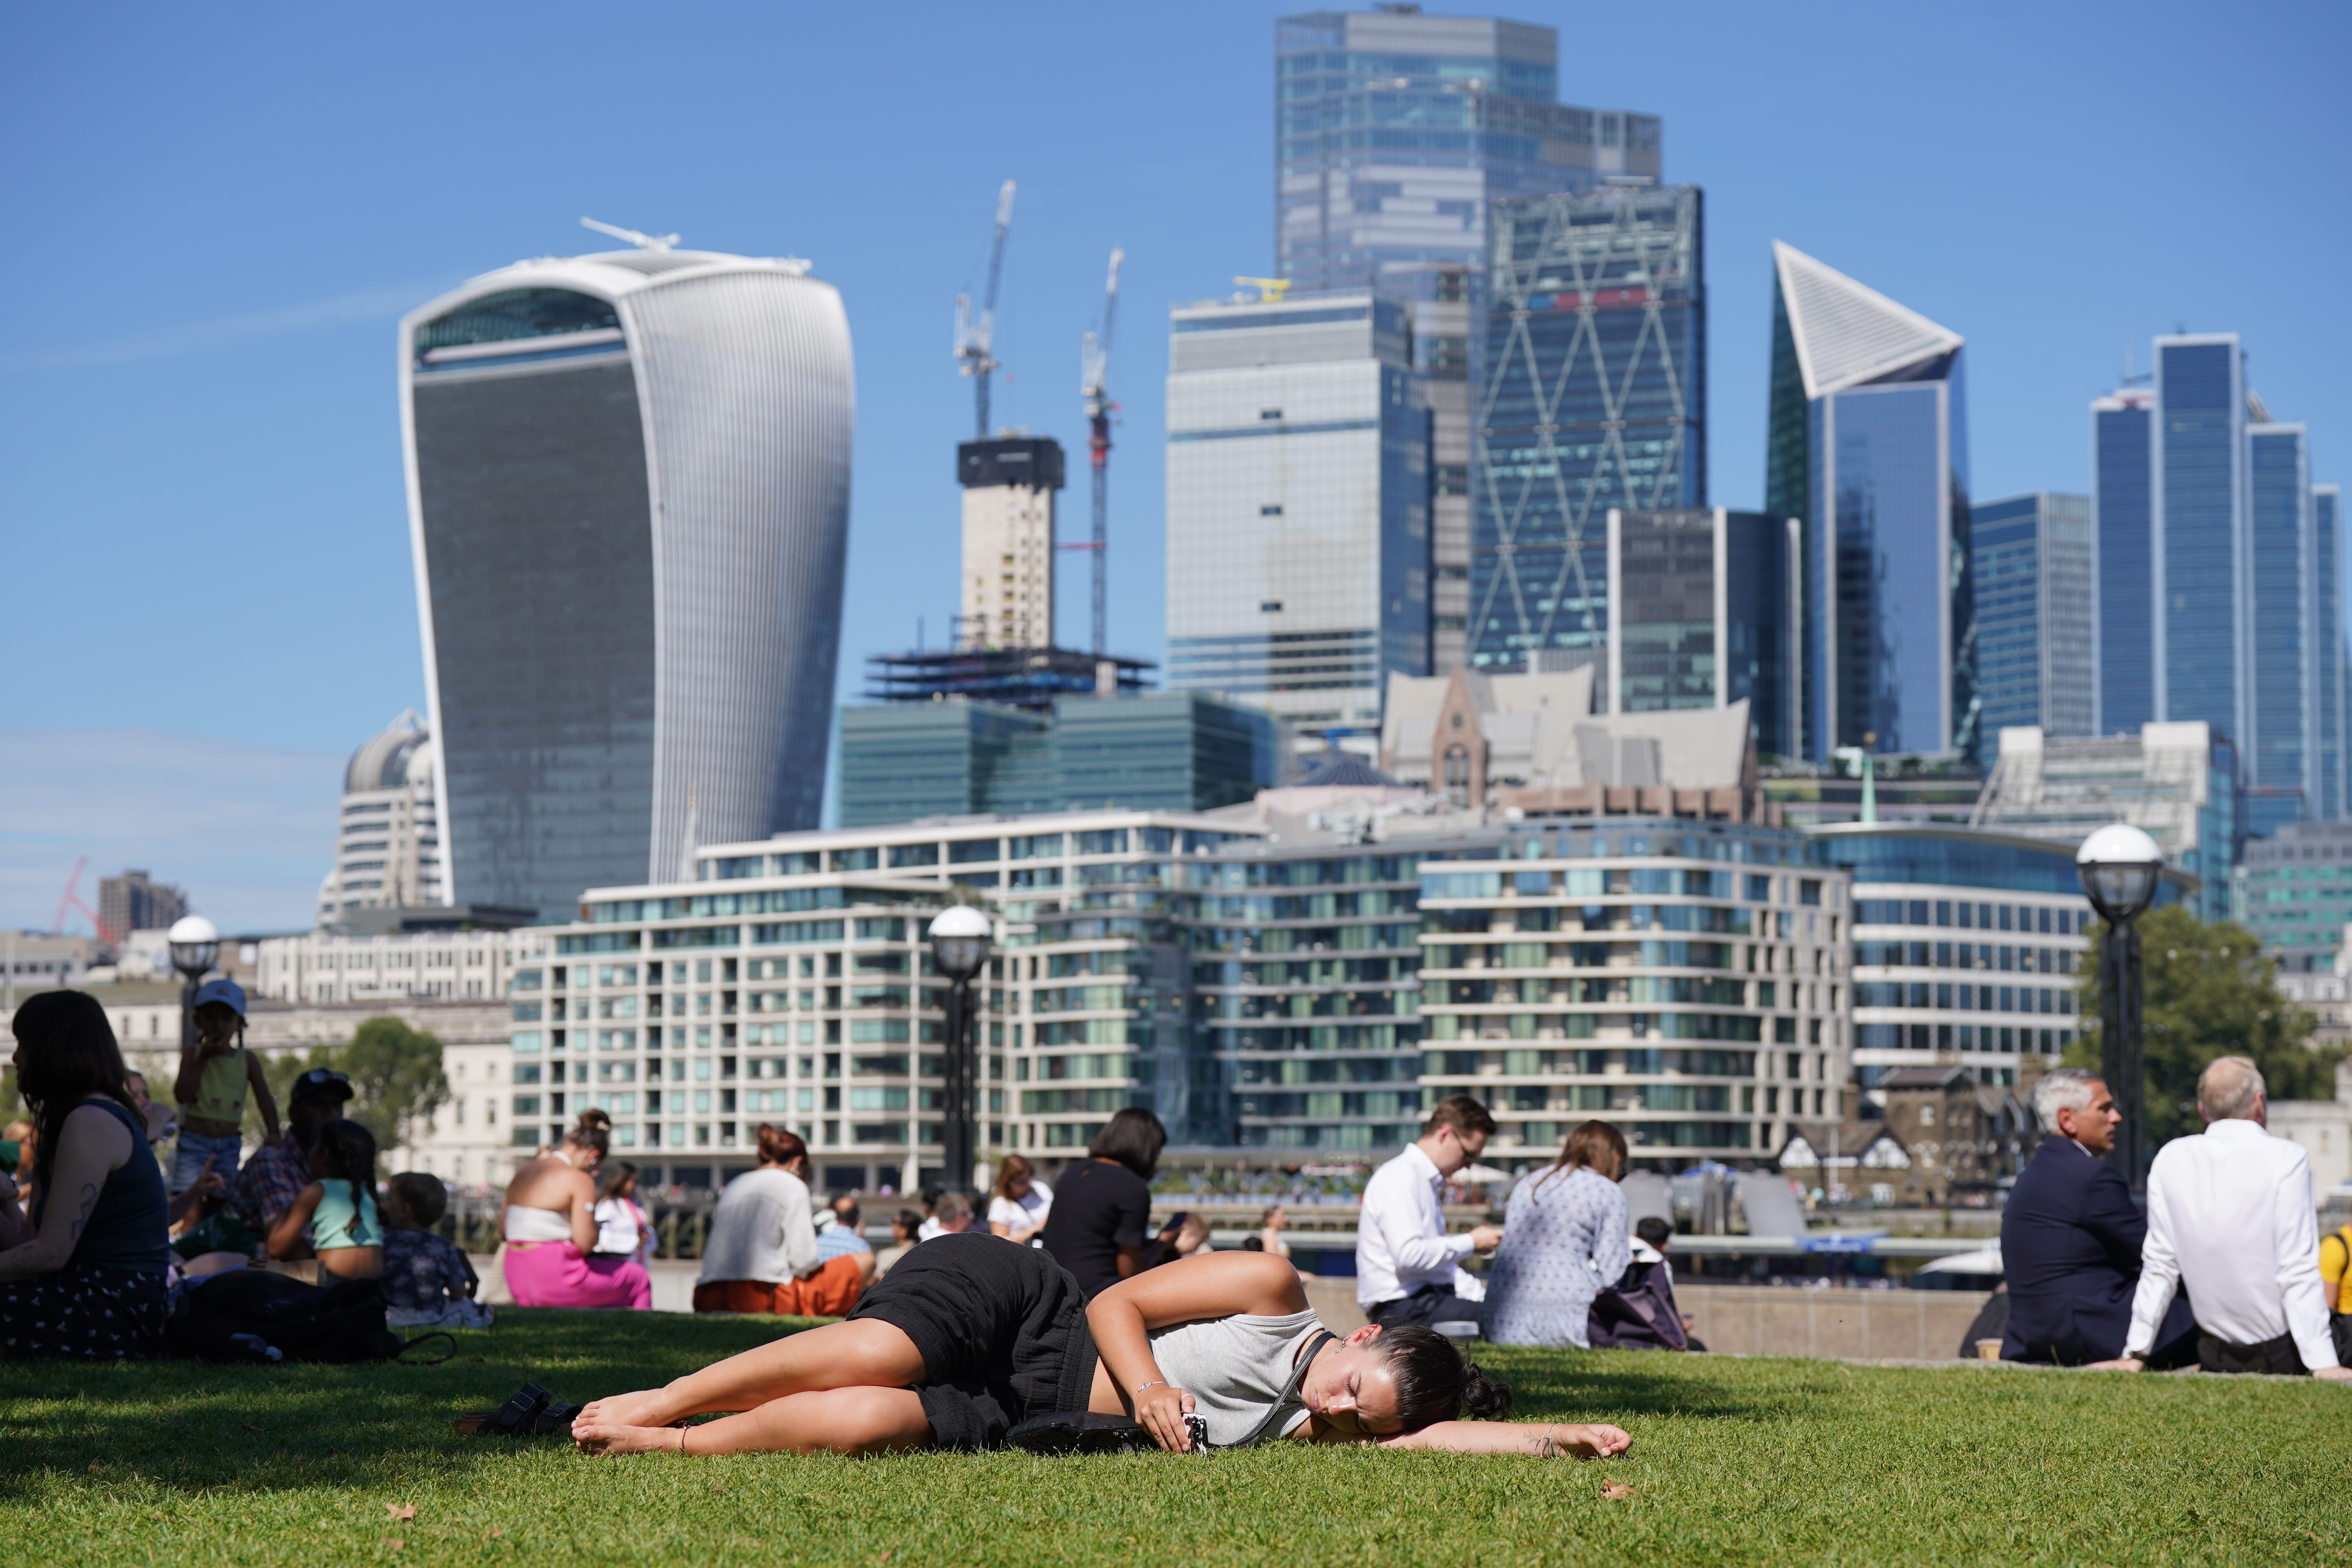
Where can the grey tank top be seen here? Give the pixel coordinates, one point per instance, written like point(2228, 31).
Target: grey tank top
point(1234, 1368)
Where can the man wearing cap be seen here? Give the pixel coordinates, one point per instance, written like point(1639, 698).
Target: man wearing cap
point(211, 1087)
point(280, 1169)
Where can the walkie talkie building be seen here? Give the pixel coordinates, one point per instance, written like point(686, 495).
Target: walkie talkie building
point(628, 497)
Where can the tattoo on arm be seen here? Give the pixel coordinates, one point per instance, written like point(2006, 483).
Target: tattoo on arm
point(81, 1217)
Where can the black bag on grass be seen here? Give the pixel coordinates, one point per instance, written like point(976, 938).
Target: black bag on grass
point(242, 1314)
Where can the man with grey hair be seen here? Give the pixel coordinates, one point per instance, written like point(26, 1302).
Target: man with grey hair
point(2071, 1236)
point(2229, 1218)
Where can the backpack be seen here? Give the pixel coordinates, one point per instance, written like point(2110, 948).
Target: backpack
point(245, 1314)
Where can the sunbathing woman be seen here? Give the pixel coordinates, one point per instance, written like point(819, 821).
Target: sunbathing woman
point(550, 1229)
point(970, 1335)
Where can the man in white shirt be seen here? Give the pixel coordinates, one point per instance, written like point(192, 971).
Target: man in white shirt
point(1406, 1266)
point(2230, 1217)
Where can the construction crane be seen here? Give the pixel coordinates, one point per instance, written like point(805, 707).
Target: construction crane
point(974, 337)
point(1094, 373)
point(71, 900)
point(642, 241)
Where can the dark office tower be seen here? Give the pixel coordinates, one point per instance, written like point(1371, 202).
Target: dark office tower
point(1868, 446)
point(2036, 625)
point(1394, 131)
point(1702, 614)
point(132, 902)
point(628, 483)
point(2329, 656)
point(1593, 395)
point(2199, 505)
point(2123, 439)
point(2282, 631)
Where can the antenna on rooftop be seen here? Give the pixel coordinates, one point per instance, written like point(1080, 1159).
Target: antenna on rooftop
point(642, 241)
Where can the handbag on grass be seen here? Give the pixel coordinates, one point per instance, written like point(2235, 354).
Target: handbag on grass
point(1085, 1432)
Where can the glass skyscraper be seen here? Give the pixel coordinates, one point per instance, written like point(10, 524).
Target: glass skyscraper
point(1593, 395)
point(2328, 586)
point(1298, 506)
point(2036, 631)
point(2123, 436)
point(1702, 614)
point(1394, 132)
point(2198, 483)
point(628, 490)
point(1868, 446)
point(2282, 631)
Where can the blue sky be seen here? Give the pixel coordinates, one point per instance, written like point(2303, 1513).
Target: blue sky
point(219, 213)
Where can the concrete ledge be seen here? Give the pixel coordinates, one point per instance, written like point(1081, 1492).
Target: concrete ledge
point(1844, 1325)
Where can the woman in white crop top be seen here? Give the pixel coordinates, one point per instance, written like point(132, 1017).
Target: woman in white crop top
point(1226, 1336)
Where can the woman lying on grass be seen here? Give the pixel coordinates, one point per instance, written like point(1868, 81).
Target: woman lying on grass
point(970, 1335)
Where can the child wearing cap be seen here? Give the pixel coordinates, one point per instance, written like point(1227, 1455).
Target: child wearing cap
point(211, 1087)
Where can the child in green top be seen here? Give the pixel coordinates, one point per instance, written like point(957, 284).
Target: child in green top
point(213, 1077)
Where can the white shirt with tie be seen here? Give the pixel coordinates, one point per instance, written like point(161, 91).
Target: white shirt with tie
point(2230, 1217)
point(1400, 1240)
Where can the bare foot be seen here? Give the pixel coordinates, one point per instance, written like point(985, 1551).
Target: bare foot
point(613, 1437)
point(1595, 1442)
point(646, 1407)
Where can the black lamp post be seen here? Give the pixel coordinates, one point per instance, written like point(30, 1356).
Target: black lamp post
point(195, 945)
point(2119, 866)
point(960, 945)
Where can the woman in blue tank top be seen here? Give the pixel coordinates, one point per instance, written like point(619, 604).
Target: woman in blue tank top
point(82, 1274)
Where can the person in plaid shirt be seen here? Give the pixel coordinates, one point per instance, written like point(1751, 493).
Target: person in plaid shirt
point(275, 1175)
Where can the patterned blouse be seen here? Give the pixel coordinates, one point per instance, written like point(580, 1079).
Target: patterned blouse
point(1564, 1239)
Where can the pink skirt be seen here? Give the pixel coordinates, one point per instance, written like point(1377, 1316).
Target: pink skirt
point(555, 1274)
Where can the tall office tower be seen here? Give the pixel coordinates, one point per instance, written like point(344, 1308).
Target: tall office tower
point(2123, 436)
point(132, 902)
point(1868, 446)
point(2037, 632)
point(1394, 132)
point(1298, 506)
point(2198, 533)
point(2327, 586)
point(628, 491)
point(1704, 615)
point(1593, 395)
point(388, 835)
point(1008, 540)
point(2282, 631)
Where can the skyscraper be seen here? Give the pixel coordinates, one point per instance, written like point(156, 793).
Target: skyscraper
point(2199, 516)
point(1868, 446)
point(1298, 505)
point(388, 840)
point(1593, 395)
point(1702, 614)
point(1394, 131)
point(2036, 629)
point(2282, 631)
point(2327, 583)
point(628, 483)
point(2123, 440)
point(1008, 540)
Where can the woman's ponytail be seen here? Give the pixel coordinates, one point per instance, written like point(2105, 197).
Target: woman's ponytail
point(1482, 1396)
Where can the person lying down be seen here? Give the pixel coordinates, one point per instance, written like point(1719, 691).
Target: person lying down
point(970, 1335)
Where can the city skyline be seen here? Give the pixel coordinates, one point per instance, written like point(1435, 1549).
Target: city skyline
point(267, 476)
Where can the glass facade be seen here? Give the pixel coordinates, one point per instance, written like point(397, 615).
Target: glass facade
point(2295, 892)
point(2328, 654)
point(1299, 545)
point(2122, 440)
point(2036, 635)
point(1593, 395)
point(1704, 617)
point(2282, 756)
point(2201, 425)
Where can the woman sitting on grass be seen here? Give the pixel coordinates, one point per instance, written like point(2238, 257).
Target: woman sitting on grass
point(338, 1209)
point(970, 1335)
point(549, 1226)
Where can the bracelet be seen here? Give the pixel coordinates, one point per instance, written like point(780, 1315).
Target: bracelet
point(1155, 1382)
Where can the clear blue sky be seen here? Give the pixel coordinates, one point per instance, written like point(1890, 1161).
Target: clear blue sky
point(219, 212)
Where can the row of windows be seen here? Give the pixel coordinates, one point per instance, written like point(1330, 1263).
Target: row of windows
point(1968, 916)
point(1965, 956)
point(1964, 998)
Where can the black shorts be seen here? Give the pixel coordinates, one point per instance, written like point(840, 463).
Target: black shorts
point(1001, 1329)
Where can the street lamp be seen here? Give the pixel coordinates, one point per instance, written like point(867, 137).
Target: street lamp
point(195, 945)
point(960, 943)
point(2119, 866)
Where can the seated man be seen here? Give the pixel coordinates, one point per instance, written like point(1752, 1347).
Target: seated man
point(2071, 1237)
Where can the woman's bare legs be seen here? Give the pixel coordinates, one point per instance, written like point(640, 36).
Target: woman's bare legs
point(863, 1352)
point(835, 1421)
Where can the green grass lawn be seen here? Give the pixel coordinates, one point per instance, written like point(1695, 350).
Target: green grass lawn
point(1733, 1461)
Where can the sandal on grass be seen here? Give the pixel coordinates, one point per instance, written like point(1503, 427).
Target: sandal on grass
point(531, 1413)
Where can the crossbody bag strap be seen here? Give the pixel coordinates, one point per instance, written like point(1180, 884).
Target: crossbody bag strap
point(1272, 1421)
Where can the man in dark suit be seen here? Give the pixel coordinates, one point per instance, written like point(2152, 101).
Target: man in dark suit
point(2070, 1238)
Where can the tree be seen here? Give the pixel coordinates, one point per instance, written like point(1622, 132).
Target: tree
point(2210, 992)
point(396, 1072)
